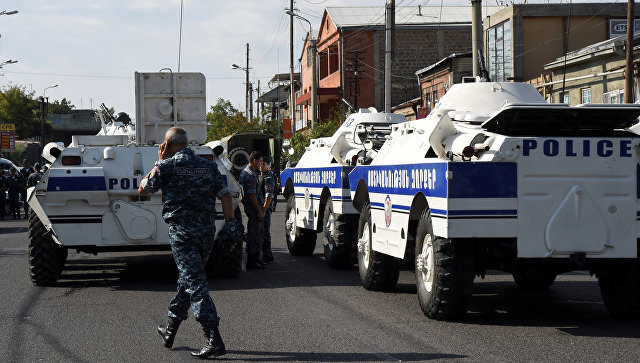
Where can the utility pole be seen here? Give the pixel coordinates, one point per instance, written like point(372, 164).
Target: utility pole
point(355, 78)
point(476, 34)
point(292, 107)
point(257, 104)
point(314, 81)
point(247, 95)
point(389, 24)
point(628, 84)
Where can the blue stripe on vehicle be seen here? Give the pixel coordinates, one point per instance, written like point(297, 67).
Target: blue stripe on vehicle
point(477, 212)
point(318, 177)
point(439, 211)
point(469, 179)
point(76, 184)
point(483, 180)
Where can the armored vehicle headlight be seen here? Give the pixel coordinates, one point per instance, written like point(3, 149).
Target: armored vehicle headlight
point(71, 160)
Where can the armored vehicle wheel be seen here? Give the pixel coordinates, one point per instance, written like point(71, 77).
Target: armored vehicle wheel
point(444, 273)
point(338, 234)
point(46, 258)
point(223, 261)
point(534, 278)
point(300, 241)
point(378, 271)
point(620, 289)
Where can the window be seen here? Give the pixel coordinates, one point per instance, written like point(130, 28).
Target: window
point(499, 52)
point(586, 95)
point(435, 97)
point(616, 96)
point(565, 98)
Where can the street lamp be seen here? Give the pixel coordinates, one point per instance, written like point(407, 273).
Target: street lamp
point(10, 12)
point(314, 79)
point(247, 95)
point(44, 101)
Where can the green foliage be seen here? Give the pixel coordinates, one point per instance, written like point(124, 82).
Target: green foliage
point(224, 120)
point(18, 107)
point(60, 107)
point(105, 115)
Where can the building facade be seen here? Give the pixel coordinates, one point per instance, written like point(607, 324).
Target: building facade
point(521, 39)
point(351, 53)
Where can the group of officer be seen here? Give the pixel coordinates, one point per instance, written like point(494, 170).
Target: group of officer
point(13, 188)
point(259, 202)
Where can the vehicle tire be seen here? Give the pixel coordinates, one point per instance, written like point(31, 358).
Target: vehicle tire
point(239, 157)
point(620, 289)
point(378, 272)
point(338, 236)
point(534, 279)
point(223, 261)
point(300, 241)
point(46, 258)
point(444, 273)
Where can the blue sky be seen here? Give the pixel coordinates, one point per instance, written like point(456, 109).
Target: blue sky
point(92, 48)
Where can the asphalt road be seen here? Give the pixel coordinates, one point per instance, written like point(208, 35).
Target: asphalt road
point(106, 307)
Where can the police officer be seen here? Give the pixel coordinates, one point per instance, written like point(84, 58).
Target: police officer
point(35, 177)
point(268, 191)
point(190, 185)
point(24, 176)
point(253, 208)
point(3, 194)
point(13, 188)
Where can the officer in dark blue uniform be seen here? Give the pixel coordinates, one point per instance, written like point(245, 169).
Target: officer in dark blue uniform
point(13, 188)
point(24, 176)
point(252, 202)
point(3, 194)
point(268, 191)
point(190, 185)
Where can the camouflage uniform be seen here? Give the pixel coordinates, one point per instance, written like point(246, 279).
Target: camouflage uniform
point(190, 185)
point(268, 190)
point(250, 184)
point(34, 178)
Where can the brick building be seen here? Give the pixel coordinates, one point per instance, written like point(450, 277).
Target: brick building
point(351, 52)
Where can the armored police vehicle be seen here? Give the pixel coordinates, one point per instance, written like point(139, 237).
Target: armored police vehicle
point(317, 188)
point(496, 178)
point(88, 200)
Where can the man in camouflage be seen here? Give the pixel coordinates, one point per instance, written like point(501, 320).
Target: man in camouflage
point(268, 192)
point(253, 208)
point(190, 185)
point(34, 177)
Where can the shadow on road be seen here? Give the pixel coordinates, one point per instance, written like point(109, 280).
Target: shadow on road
point(258, 356)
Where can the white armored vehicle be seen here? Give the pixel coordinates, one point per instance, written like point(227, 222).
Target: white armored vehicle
point(496, 178)
point(317, 188)
point(88, 200)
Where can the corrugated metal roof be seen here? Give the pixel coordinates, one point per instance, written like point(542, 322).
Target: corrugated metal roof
point(405, 15)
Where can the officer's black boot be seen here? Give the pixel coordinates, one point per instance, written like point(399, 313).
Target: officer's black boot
point(253, 262)
point(168, 332)
point(214, 346)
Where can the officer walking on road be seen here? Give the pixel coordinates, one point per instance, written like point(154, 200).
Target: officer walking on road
point(190, 185)
point(253, 208)
point(268, 191)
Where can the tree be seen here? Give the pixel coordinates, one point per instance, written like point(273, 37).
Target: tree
point(17, 106)
point(60, 107)
point(302, 139)
point(224, 120)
